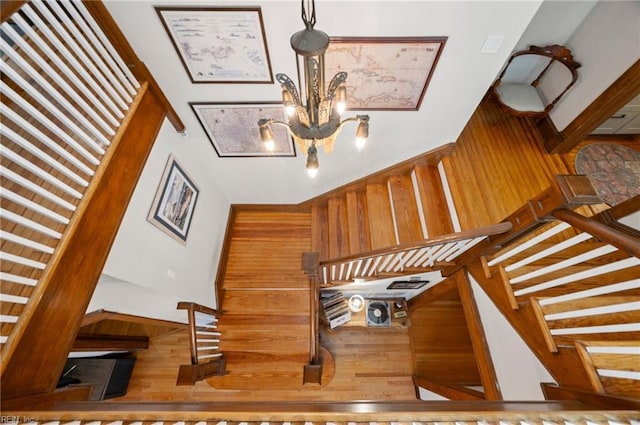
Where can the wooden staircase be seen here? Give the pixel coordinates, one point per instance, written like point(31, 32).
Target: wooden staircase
point(571, 291)
point(397, 206)
point(265, 307)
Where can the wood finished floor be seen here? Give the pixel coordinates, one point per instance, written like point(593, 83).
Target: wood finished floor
point(496, 168)
point(492, 172)
point(370, 364)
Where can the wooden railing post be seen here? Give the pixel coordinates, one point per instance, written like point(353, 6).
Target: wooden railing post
point(311, 266)
point(200, 367)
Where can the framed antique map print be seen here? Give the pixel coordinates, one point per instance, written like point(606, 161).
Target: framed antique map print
point(233, 129)
point(389, 73)
point(174, 202)
point(219, 45)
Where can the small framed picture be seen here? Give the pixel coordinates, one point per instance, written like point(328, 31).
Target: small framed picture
point(175, 201)
point(232, 128)
point(219, 45)
point(407, 284)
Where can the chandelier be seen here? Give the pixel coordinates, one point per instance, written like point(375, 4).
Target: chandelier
point(314, 120)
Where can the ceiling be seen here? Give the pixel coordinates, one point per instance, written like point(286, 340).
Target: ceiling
point(460, 80)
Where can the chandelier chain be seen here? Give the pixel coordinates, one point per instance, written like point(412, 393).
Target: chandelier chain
point(309, 23)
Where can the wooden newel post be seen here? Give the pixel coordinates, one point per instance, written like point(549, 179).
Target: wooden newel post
point(311, 267)
point(565, 192)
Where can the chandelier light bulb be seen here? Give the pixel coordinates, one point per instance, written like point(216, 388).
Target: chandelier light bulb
point(269, 145)
point(288, 102)
point(312, 163)
point(362, 133)
point(341, 99)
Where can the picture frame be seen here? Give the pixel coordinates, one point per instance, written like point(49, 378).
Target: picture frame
point(407, 284)
point(384, 73)
point(219, 44)
point(232, 128)
point(174, 202)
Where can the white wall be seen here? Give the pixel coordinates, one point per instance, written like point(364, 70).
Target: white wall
point(142, 255)
point(607, 43)
point(518, 370)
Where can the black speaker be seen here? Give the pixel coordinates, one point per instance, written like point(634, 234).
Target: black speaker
point(109, 377)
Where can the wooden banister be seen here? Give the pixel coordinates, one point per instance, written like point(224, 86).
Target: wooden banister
point(565, 192)
point(602, 401)
point(33, 358)
point(425, 243)
point(409, 411)
point(70, 279)
point(190, 306)
point(572, 283)
point(9, 7)
point(312, 373)
point(600, 231)
point(212, 362)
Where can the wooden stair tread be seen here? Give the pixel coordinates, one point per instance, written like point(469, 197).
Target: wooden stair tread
point(379, 211)
point(358, 218)
point(338, 227)
point(266, 301)
point(405, 209)
point(436, 211)
point(320, 231)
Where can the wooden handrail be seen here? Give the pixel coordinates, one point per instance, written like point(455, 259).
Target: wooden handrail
point(9, 7)
point(425, 243)
point(566, 191)
point(425, 411)
point(191, 306)
point(600, 231)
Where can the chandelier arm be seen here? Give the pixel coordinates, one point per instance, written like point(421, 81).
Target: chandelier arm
point(356, 118)
point(282, 124)
point(337, 79)
point(285, 81)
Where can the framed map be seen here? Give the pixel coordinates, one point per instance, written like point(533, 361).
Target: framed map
point(174, 202)
point(389, 73)
point(219, 45)
point(233, 128)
